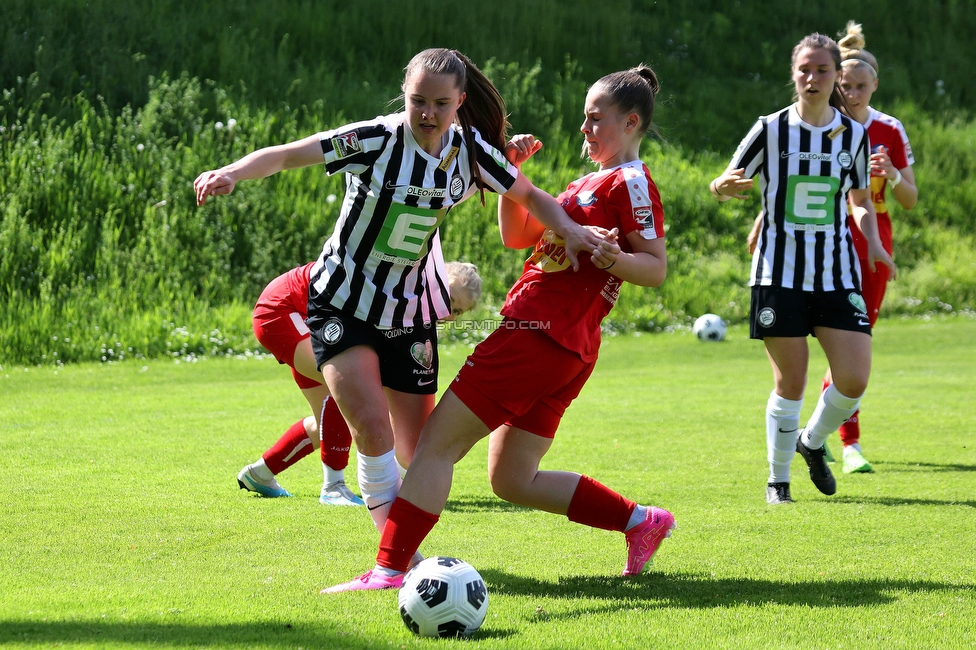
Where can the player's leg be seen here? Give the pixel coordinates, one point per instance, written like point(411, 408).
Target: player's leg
point(451, 430)
point(849, 356)
point(283, 332)
point(353, 378)
point(513, 468)
point(335, 448)
point(789, 358)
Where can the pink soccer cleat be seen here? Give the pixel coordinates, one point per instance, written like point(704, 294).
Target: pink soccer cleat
point(366, 582)
point(644, 538)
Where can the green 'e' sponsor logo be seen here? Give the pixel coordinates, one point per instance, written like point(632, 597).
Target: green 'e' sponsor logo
point(810, 201)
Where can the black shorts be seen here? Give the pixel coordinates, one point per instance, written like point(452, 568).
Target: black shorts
point(778, 311)
point(407, 355)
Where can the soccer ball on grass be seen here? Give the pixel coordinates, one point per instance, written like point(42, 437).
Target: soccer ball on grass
point(709, 327)
point(443, 596)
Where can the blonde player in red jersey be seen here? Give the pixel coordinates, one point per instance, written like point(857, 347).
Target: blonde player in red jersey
point(891, 168)
point(517, 384)
point(279, 325)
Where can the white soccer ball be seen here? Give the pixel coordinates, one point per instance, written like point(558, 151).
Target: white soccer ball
point(443, 596)
point(710, 328)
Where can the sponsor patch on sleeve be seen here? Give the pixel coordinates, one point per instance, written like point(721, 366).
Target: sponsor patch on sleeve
point(644, 215)
point(346, 145)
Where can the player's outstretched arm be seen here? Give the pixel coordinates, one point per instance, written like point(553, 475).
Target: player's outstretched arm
point(258, 164)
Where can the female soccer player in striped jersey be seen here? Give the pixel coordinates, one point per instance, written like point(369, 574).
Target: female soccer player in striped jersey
point(517, 383)
point(379, 285)
point(891, 168)
point(810, 157)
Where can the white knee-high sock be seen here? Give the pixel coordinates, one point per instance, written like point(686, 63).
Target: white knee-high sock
point(782, 429)
point(833, 409)
point(379, 483)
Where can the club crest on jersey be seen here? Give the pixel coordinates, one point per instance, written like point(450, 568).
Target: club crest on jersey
point(855, 299)
point(346, 145)
point(585, 199)
point(332, 331)
point(457, 187)
point(423, 353)
point(845, 159)
point(766, 317)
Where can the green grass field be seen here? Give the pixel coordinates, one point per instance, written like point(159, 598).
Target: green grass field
point(121, 524)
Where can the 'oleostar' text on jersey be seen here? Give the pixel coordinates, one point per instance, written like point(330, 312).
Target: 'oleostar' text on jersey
point(383, 263)
point(804, 175)
point(569, 305)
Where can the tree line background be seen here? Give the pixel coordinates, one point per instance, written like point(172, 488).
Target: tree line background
point(110, 110)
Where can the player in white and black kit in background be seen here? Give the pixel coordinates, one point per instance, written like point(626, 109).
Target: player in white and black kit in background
point(805, 273)
point(379, 285)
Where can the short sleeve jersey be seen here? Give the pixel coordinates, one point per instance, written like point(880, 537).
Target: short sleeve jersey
point(804, 175)
point(885, 132)
point(383, 263)
point(569, 305)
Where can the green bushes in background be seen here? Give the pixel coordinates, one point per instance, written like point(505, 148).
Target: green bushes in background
point(109, 112)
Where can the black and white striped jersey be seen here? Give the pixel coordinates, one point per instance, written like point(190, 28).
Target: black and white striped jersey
point(804, 175)
point(383, 262)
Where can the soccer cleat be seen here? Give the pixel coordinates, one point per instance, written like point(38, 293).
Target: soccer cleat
point(778, 493)
point(829, 457)
point(339, 494)
point(249, 481)
point(820, 474)
point(855, 462)
point(644, 539)
point(367, 582)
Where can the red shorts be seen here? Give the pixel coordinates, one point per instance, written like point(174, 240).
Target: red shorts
point(280, 327)
point(522, 378)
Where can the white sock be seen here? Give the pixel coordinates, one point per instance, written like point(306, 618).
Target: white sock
point(333, 475)
point(637, 516)
point(379, 483)
point(848, 449)
point(782, 429)
point(260, 469)
point(833, 409)
point(389, 573)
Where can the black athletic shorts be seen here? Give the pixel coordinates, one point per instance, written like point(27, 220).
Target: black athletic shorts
point(407, 355)
point(778, 311)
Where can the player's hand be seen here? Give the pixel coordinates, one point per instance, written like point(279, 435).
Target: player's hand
point(521, 147)
point(881, 165)
point(605, 255)
point(212, 183)
point(581, 239)
point(732, 184)
point(877, 254)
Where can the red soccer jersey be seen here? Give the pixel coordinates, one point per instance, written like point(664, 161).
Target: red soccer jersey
point(883, 131)
point(570, 305)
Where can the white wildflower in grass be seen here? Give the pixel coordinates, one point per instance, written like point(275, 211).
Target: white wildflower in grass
point(330, 198)
point(231, 123)
point(218, 126)
point(140, 147)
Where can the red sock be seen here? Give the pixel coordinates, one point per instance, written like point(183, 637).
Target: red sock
point(596, 505)
point(850, 431)
point(405, 529)
point(290, 448)
point(336, 438)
